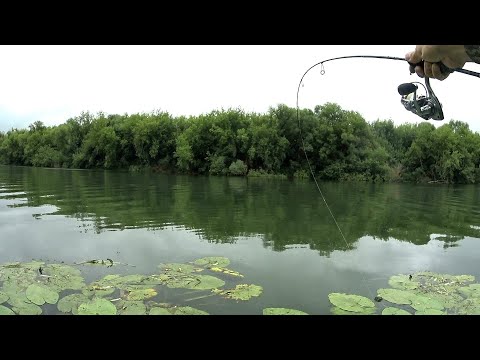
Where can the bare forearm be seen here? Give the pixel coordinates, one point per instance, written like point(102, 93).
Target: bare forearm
point(473, 52)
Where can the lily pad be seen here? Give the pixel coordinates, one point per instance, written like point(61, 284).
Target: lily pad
point(27, 309)
point(186, 310)
point(443, 282)
point(241, 292)
point(5, 311)
point(132, 287)
point(107, 284)
point(282, 311)
point(470, 306)
point(429, 293)
point(335, 310)
point(16, 297)
point(17, 269)
point(3, 297)
point(354, 303)
point(70, 303)
point(97, 306)
point(177, 267)
point(111, 279)
point(20, 280)
point(153, 280)
point(465, 278)
point(98, 289)
point(61, 270)
point(130, 279)
point(104, 286)
point(195, 282)
point(40, 295)
point(429, 312)
point(422, 303)
point(106, 262)
point(403, 282)
point(63, 277)
point(396, 296)
point(130, 282)
point(470, 291)
point(226, 271)
point(213, 261)
point(448, 300)
point(131, 308)
point(159, 311)
point(136, 295)
point(394, 311)
point(22, 306)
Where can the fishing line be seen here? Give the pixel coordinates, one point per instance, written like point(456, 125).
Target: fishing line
point(322, 72)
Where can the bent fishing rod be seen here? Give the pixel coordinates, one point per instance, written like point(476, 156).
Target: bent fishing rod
point(426, 106)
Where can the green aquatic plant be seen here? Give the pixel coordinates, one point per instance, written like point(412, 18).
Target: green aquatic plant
point(177, 268)
point(5, 311)
point(470, 291)
point(141, 294)
point(3, 297)
point(182, 310)
point(40, 294)
point(60, 277)
point(70, 303)
point(429, 312)
point(403, 282)
point(352, 303)
point(213, 261)
point(394, 311)
point(97, 306)
point(241, 292)
point(282, 311)
point(469, 306)
point(28, 286)
point(427, 293)
point(396, 296)
point(194, 282)
point(217, 264)
point(226, 271)
point(424, 303)
point(335, 310)
point(131, 308)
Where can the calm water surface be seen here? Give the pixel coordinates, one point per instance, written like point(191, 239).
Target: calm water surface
point(278, 234)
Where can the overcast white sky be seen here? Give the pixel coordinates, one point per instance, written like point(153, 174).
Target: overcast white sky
point(54, 83)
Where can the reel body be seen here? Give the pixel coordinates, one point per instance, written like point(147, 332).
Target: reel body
point(426, 106)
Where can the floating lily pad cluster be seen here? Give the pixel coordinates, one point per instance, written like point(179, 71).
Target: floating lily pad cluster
point(27, 287)
point(423, 293)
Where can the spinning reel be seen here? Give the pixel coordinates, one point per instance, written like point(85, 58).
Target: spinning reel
point(426, 106)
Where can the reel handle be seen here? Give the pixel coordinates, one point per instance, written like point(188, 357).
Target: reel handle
point(408, 88)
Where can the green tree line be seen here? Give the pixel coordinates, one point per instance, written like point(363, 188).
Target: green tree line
point(340, 144)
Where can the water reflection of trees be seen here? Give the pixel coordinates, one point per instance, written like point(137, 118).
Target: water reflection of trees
point(282, 213)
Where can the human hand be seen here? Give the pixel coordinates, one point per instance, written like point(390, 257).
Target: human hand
point(452, 56)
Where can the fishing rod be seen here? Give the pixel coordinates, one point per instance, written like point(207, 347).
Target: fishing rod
point(426, 106)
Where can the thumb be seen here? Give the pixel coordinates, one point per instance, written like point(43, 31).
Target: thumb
point(413, 57)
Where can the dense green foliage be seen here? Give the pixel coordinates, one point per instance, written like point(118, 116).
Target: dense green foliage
point(340, 144)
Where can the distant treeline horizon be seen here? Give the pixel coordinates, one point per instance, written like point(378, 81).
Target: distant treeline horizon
point(341, 145)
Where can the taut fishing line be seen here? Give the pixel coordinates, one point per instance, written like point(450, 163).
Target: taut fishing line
point(427, 107)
